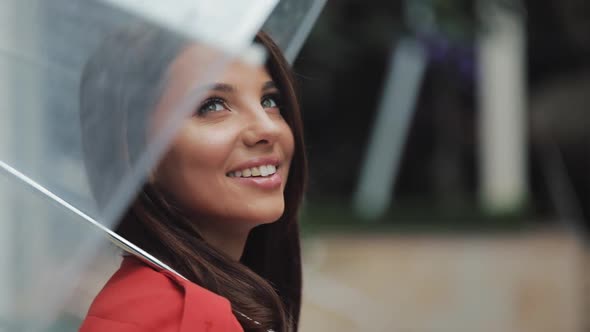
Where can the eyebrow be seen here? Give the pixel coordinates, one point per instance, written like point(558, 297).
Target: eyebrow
point(269, 85)
point(228, 88)
point(222, 87)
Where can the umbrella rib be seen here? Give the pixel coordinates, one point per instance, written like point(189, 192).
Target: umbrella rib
point(115, 238)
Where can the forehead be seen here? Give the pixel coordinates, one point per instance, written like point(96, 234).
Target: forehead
point(196, 65)
point(240, 73)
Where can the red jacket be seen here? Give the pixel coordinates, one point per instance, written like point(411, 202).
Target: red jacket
point(138, 298)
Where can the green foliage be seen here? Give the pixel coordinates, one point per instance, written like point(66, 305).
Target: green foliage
point(337, 216)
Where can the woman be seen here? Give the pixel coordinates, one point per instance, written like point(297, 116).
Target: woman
point(221, 206)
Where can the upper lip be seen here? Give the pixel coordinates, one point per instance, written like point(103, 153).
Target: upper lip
point(256, 162)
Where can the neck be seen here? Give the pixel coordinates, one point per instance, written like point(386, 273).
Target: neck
point(231, 243)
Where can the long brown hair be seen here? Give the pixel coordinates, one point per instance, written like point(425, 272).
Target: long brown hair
point(266, 284)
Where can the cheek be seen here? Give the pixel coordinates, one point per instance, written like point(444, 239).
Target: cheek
point(197, 156)
point(288, 142)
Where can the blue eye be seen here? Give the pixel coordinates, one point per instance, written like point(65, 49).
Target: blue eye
point(212, 105)
point(271, 101)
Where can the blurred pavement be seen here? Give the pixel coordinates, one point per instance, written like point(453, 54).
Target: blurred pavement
point(529, 282)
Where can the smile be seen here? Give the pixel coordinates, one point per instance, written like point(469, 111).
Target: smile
point(258, 171)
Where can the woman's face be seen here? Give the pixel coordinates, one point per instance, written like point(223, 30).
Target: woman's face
point(229, 162)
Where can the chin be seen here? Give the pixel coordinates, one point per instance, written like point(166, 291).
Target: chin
point(267, 218)
point(259, 215)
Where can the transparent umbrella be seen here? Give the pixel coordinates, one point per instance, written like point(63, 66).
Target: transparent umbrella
point(61, 195)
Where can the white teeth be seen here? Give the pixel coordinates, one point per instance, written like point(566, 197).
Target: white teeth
point(264, 170)
point(272, 169)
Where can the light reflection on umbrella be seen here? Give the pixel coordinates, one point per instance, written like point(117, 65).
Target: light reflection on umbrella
point(47, 203)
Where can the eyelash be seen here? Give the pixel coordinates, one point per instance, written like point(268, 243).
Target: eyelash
point(274, 96)
point(202, 110)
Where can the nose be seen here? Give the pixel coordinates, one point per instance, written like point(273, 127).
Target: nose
point(263, 128)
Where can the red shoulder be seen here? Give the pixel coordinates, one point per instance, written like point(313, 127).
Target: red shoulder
point(139, 298)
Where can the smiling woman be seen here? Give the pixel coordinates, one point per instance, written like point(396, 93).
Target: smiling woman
point(221, 206)
point(237, 129)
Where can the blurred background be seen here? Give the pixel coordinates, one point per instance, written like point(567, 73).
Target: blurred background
point(448, 148)
point(448, 157)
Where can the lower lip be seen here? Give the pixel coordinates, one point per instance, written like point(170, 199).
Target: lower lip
point(263, 182)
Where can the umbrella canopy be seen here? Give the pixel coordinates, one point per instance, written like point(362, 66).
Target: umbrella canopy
point(61, 194)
